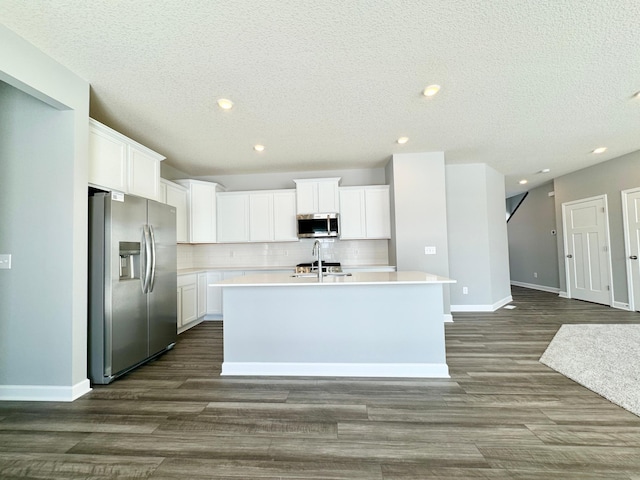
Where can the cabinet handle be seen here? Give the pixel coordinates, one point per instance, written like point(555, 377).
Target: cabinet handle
point(633, 257)
point(569, 256)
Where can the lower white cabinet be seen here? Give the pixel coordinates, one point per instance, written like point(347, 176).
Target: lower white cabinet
point(191, 303)
point(202, 294)
point(214, 292)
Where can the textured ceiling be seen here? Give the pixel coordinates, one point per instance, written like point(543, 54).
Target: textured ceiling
point(526, 85)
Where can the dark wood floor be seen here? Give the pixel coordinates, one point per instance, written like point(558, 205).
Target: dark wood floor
point(502, 415)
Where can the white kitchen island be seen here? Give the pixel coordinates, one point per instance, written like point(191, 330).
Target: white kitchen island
point(387, 324)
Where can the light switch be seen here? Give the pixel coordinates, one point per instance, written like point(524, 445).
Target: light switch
point(429, 250)
point(5, 260)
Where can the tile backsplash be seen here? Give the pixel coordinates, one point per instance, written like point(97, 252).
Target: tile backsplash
point(282, 254)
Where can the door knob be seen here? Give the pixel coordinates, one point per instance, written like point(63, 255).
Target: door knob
point(633, 257)
point(569, 256)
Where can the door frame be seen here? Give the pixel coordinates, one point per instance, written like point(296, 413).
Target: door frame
point(565, 245)
point(627, 244)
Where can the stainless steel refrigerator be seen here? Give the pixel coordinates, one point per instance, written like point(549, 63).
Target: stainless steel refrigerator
point(132, 283)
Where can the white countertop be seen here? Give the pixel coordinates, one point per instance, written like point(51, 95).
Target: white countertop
point(189, 271)
point(357, 278)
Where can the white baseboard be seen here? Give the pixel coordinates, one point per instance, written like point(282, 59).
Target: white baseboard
point(562, 294)
point(44, 393)
point(533, 286)
point(404, 370)
point(482, 308)
point(621, 305)
point(448, 318)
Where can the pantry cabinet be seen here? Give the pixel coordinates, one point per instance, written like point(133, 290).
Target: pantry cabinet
point(365, 212)
point(119, 163)
point(317, 195)
point(201, 210)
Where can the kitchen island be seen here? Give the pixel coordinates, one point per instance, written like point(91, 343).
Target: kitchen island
point(378, 324)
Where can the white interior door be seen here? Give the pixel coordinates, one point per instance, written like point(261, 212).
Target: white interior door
point(631, 225)
point(586, 246)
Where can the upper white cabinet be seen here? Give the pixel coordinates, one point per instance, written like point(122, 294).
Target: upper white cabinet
point(284, 216)
point(317, 195)
point(176, 196)
point(365, 212)
point(119, 163)
point(257, 216)
point(201, 209)
point(233, 217)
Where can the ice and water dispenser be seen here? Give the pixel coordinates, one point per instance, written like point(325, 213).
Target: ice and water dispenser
point(129, 260)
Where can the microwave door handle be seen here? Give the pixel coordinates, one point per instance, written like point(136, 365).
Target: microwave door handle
point(152, 273)
point(328, 225)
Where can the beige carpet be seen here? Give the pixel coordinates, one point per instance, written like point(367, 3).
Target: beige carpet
point(602, 358)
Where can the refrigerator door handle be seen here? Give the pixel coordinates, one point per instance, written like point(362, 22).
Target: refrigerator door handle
point(152, 274)
point(145, 260)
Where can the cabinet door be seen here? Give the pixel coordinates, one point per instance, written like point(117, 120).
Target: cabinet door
point(202, 213)
point(144, 174)
point(189, 303)
point(284, 216)
point(261, 217)
point(177, 197)
point(179, 303)
point(233, 217)
point(307, 197)
point(328, 196)
point(107, 160)
point(378, 212)
point(202, 294)
point(214, 293)
point(352, 213)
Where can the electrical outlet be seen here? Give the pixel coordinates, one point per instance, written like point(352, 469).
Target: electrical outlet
point(465, 290)
point(429, 250)
point(5, 261)
point(535, 274)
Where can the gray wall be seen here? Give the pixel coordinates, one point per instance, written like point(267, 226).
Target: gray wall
point(478, 249)
point(608, 178)
point(532, 247)
point(419, 219)
point(266, 181)
point(420, 208)
point(44, 111)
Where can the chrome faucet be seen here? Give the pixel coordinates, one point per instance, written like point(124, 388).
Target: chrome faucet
point(317, 251)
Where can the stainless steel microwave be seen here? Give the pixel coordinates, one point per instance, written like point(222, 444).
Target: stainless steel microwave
point(318, 225)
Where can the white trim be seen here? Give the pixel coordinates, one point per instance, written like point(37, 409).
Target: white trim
point(565, 240)
point(533, 286)
point(403, 370)
point(627, 244)
point(44, 393)
point(622, 306)
point(563, 294)
point(448, 318)
point(482, 308)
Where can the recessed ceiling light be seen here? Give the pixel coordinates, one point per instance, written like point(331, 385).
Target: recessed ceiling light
point(599, 150)
point(402, 140)
point(523, 182)
point(258, 148)
point(545, 170)
point(431, 90)
point(225, 104)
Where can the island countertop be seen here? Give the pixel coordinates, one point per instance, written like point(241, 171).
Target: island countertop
point(356, 278)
